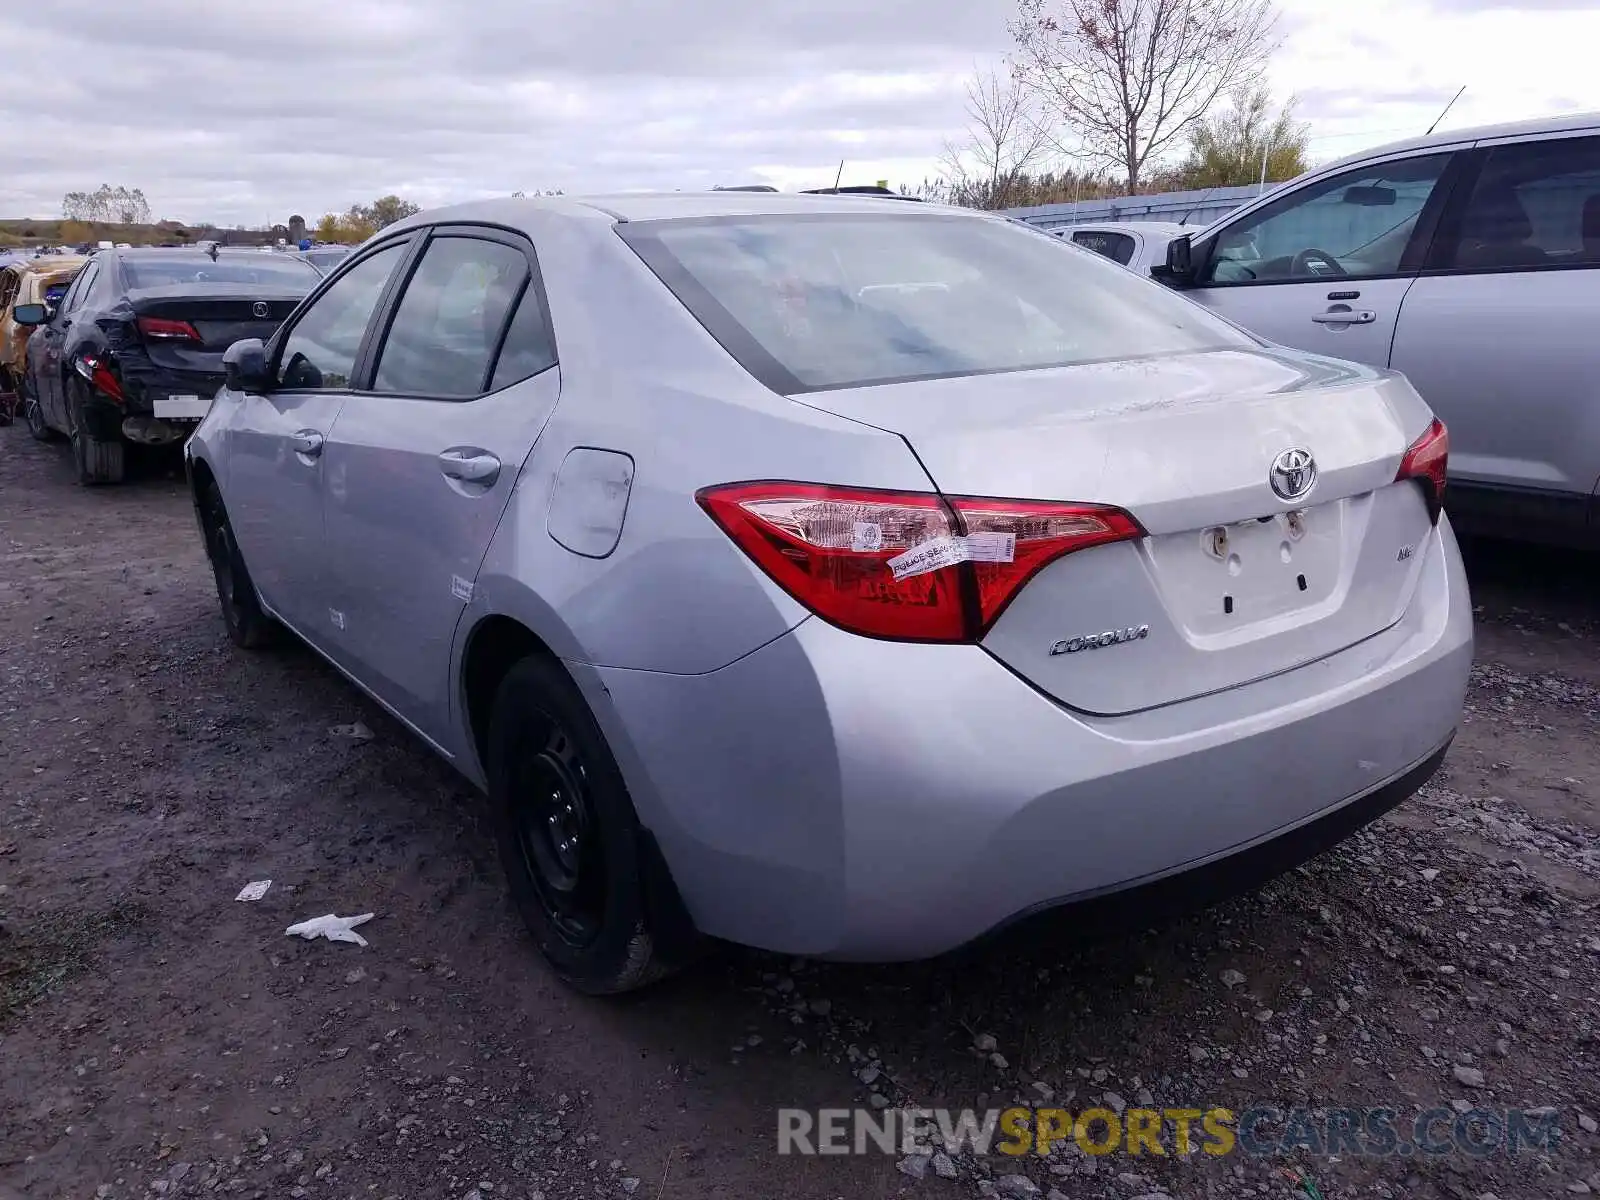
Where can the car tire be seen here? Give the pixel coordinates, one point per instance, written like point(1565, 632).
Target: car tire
point(33, 413)
point(98, 462)
point(248, 625)
point(569, 837)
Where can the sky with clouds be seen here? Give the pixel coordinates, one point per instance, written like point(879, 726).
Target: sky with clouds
point(245, 112)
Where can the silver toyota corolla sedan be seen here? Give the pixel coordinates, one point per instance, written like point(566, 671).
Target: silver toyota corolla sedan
point(839, 577)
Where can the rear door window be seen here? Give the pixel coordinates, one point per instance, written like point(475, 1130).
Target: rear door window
point(1118, 247)
point(1535, 205)
point(80, 288)
point(450, 319)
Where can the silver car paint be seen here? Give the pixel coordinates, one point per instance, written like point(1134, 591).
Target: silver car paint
point(813, 791)
point(1505, 358)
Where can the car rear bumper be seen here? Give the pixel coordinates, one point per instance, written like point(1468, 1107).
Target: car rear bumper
point(836, 796)
point(146, 394)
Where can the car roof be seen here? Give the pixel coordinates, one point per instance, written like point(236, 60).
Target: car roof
point(1451, 137)
point(1140, 226)
point(658, 206)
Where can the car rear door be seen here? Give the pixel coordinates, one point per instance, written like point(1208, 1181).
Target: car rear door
point(274, 441)
point(423, 459)
point(1498, 334)
point(1325, 266)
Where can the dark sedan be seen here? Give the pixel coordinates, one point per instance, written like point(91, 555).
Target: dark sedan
point(133, 353)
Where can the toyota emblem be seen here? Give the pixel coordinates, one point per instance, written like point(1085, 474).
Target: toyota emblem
point(261, 308)
point(1293, 474)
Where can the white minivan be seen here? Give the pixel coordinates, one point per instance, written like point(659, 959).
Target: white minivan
point(1469, 260)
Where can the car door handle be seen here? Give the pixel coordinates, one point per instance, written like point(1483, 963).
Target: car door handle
point(469, 467)
point(1364, 316)
point(307, 442)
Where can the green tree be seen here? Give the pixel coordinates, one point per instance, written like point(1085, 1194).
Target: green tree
point(1226, 148)
point(385, 211)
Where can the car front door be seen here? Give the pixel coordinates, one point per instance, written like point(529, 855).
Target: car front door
point(423, 460)
point(52, 393)
point(1498, 334)
point(1325, 267)
point(274, 475)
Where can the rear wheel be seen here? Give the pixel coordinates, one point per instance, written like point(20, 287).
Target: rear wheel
point(248, 626)
point(568, 834)
point(97, 461)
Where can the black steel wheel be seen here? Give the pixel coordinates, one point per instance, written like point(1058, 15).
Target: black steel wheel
point(569, 837)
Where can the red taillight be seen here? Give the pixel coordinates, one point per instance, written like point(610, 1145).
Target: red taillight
point(909, 566)
point(100, 375)
point(164, 330)
point(1425, 462)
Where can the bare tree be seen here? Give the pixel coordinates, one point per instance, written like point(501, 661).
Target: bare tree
point(1004, 140)
point(107, 205)
point(1127, 78)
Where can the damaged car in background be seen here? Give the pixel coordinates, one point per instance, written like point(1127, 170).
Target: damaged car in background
point(24, 281)
point(133, 352)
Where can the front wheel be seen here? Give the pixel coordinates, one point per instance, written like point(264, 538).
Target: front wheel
point(248, 626)
point(568, 834)
point(33, 413)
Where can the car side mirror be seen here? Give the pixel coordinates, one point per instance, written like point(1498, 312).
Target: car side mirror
point(30, 314)
point(1180, 260)
point(244, 366)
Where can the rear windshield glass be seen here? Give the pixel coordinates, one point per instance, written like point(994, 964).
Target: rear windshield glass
point(275, 271)
point(816, 301)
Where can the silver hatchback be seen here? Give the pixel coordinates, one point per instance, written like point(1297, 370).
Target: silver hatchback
point(838, 577)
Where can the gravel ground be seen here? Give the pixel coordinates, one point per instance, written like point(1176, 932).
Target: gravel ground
point(159, 1038)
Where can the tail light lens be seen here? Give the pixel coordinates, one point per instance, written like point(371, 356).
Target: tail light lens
point(1425, 462)
point(101, 377)
point(906, 566)
point(163, 330)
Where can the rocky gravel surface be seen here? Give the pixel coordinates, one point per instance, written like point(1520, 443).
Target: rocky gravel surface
point(159, 1038)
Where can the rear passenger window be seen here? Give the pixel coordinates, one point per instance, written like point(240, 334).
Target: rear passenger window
point(1118, 247)
point(1534, 205)
point(448, 324)
point(527, 349)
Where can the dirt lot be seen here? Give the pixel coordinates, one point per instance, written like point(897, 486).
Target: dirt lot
point(156, 1037)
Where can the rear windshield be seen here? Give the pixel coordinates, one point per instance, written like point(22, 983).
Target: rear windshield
point(326, 258)
point(816, 301)
point(272, 271)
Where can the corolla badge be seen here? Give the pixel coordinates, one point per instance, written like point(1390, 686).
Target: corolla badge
point(1293, 474)
point(1095, 641)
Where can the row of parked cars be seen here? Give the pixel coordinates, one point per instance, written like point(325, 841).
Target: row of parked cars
point(844, 577)
point(124, 347)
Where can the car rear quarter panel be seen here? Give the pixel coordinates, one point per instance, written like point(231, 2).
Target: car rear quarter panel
point(641, 377)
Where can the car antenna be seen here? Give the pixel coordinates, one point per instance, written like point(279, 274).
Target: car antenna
point(1447, 108)
point(838, 177)
point(1196, 205)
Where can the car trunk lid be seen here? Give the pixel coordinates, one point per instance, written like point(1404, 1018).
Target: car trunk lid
point(219, 314)
point(1231, 582)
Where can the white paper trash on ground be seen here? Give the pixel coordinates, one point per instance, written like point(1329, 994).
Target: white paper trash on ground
point(335, 929)
point(254, 891)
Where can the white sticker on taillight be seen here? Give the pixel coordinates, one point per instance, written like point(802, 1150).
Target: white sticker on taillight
point(867, 537)
point(939, 552)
